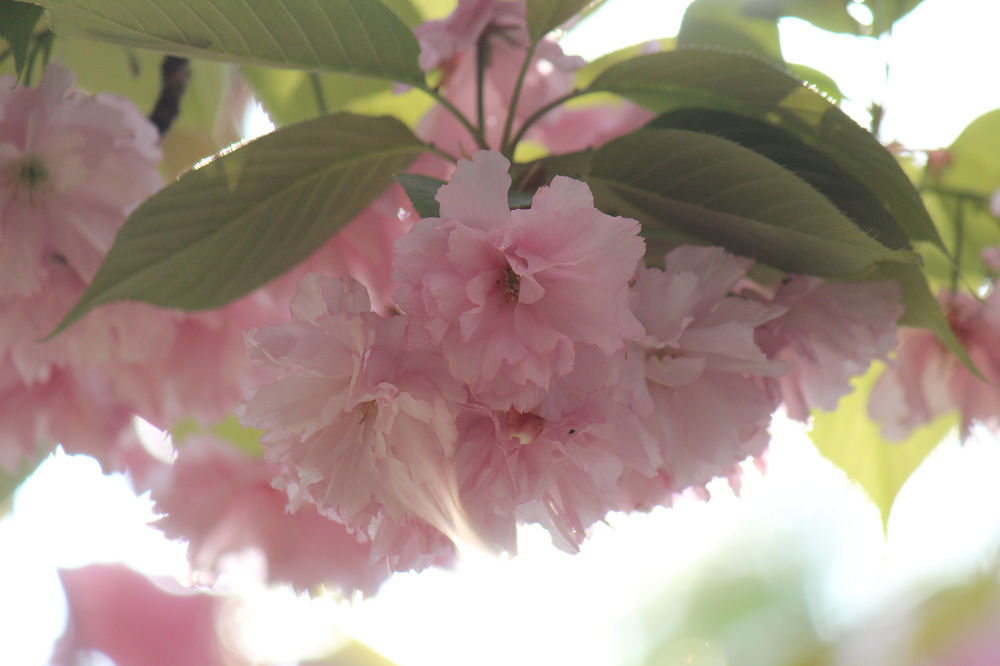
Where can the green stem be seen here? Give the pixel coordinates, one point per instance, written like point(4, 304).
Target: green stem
point(959, 242)
point(533, 118)
point(482, 56)
point(442, 154)
point(317, 88)
point(509, 125)
point(477, 134)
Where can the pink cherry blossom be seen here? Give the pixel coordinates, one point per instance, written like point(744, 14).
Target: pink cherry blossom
point(508, 294)
point(705, 374)
point(222, 502)
point(72, 166)
point(136, 621)
point(360, 427)
point(925, 380)
point(830, 333)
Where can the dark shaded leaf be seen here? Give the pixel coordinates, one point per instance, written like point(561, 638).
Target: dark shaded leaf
point(17, 23)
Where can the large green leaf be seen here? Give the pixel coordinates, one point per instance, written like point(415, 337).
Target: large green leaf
point(725, 194)
point(748, 86)
point(17, 23)
point(546, 15)
point(853, 442)
point(230, 226)
point(781, 146)
point(723, 24)
point(360, 37)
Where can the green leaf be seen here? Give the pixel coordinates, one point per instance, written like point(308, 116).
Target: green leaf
point(818, 80)
point(360, 37)
point(723, 194)
point(17, 23)
point(723, 24)
point(781, 146)
point(853, 442)
point(228, 227)
point(421, 190)
point(975, 157)
point(749, 86)
point(832, 15)
point(547, 15)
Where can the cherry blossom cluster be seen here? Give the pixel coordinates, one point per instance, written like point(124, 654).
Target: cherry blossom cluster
point(537, 372)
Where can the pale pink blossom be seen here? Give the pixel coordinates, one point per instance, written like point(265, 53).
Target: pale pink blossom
point(709, 403)
point(360, 427)
point(508, 294)
point(925, 380)
point(136, 621)
point(222, 502)
point(830, 333)
point(72, 166)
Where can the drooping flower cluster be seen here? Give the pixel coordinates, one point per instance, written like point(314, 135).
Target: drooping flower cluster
point(496, 32)
point(536, 373)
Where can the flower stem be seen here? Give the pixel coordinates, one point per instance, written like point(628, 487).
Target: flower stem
point(317, 88)
point(533, 118)
point(509, 125)
point(477, 134)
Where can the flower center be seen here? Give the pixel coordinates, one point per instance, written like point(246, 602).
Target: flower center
point(525, 428)
point(510, 284)
point(29, 175)
point(367, 409)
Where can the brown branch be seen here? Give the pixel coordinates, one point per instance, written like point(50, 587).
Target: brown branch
point(174, 74)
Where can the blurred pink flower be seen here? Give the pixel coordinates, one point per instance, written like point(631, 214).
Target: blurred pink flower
point(925, 380)
point(221, 501)
point(508, 294)
point(72, 166)
point(830, 333)
point(138, 622)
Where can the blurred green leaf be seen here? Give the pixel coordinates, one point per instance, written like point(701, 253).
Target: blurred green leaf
point(749, 86)
point(586, 74)
point(245, 440)
point(725, 194)
point(231, 225)
point(849, 439)
point(723, 24)
point(360, 37)
point(975, 157)
point(832, 15)
point(547, 15)
point(11, 481)
point(17, 23)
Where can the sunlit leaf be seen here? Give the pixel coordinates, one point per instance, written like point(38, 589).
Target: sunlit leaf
point(246, 217)
point(853, 442)
point(749, 86)
point(17, 23)
point(724, 194)
point(833, 15)
point(547, 15)
point(723, 24)
point(360, 37)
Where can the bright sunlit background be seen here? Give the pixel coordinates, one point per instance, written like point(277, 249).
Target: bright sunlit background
point(632, 584)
